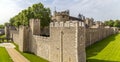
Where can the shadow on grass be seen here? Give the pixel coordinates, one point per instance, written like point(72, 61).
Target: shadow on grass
point(96, 48)
point(31, 56)
point(97, 60)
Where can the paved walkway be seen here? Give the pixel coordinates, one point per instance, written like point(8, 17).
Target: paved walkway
point(14, 54)
point(7, 45)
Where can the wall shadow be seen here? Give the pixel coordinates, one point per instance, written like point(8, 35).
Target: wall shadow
point(97, 60)
point(97, 47)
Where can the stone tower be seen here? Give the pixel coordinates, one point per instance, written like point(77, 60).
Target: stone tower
point(7, 32)
point(61, 16)
point(35, 26)
point(67, 42)
point(89, 22)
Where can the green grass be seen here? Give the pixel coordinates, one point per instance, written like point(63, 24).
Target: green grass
point(107, 50)
point(34, 58)
point(31, 57)
point(2, 36)
point(4, 57)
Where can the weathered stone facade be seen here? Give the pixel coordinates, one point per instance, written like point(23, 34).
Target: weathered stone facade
point(67, 40)
point(65, 16)
point(65, 44)
point(96, 34)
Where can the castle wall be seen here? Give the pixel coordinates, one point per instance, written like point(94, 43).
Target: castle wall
point(35, 26)
point(20, 37)
point(62, 18)
point(55, 44)
point(69, 44)
point(7, 33)
point(40, 46)
point(81, 45)
point(66, 43)
point(14, 34)
point(24, 38)
point(96, 34)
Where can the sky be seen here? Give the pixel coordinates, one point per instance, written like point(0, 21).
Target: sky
point(100, 10)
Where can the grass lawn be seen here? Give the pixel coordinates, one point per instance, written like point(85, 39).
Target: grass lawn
point(31, 57)
point(2, 36)
point(4, 57)
point(34, 58)
point(107, 50)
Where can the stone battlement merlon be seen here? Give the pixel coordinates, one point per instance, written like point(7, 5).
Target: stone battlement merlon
point(67, 24)
point(59, 13)
point(62, 13)
point(35, 26)
point(34, 20)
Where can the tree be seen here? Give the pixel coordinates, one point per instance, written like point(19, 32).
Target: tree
point(106, 23)
point(117, 23)
point(1, 26)
point(112, 23)
point(109, 23)
point(36, 11)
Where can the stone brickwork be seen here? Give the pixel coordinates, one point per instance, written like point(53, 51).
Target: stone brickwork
point(96, 34)
point(15, 36)
point(35, 26)
point(61, 16)
point(66, 43)
point(40, 46)
point(64, 37)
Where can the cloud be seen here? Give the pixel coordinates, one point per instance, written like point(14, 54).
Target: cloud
point(7, 9)
point(98, 9)
point(10, 8)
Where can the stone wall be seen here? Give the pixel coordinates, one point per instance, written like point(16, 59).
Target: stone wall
point(40, 46)
point(65, 39)
point(20, 37)
point(96, 34)
point(14, 34)
point(81, 45)
point(66, 43)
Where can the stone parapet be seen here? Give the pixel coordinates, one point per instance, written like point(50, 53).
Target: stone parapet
point(67, 24)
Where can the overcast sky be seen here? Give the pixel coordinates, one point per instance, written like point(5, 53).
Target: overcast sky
point(97, 9)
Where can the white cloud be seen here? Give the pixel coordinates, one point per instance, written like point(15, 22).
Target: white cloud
point(7, 9)
point(10, 8)
point(98, 9)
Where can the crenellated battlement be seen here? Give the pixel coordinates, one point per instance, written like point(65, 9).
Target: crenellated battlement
point(35, 26)
point(62, 13)
point(67, 39)
point(67, 24)
point(34, 20)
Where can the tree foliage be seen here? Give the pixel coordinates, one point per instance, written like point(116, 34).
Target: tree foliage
point(112, 23)
point(1, 26)
point(36, 11)
point(117, 23)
